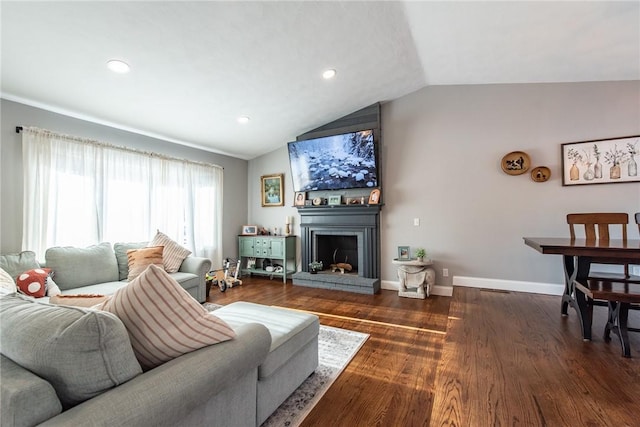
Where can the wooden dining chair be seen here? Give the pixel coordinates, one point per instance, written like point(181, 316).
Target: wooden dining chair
point(597, 226)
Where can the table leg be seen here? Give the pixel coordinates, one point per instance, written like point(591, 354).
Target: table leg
point(585, 306)
point(570, 271)
point(617, 322)
point(585, 313)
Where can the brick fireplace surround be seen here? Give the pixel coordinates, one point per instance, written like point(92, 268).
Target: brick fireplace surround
point(359, 222)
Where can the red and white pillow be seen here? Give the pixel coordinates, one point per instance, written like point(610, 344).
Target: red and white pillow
point(34, 282)
point(162, 319)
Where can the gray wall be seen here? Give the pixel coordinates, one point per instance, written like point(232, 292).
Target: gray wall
point(441, 163)
point(15, 114)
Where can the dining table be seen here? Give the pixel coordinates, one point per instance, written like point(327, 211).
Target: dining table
point(578, 255)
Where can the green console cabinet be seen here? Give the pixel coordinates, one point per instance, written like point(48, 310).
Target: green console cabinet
point(281, 250)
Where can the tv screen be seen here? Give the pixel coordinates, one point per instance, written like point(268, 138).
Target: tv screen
point(334, 162)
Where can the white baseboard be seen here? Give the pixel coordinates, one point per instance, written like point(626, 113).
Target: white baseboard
point(509, 285)
point(445, 291)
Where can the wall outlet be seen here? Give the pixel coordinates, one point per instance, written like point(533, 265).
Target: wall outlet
point(416, 221)
point(445, 272)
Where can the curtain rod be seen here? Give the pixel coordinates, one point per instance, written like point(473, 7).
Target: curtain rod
point(133, 150)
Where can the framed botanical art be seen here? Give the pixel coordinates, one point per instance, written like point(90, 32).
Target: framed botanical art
point(272, 190)
point(600, 161)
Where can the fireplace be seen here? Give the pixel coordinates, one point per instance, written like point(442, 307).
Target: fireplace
point(341, 234)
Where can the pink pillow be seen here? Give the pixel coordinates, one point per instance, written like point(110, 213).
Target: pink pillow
point(34, 282)
point(162, 319)
point(173, 254)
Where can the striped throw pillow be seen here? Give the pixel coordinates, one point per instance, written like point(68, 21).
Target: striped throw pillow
point(140, 259)
point(163, 320)
point(173, 254)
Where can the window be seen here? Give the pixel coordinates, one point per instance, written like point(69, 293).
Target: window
point(80, 192)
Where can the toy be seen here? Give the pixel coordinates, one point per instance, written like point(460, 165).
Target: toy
point(226, 277)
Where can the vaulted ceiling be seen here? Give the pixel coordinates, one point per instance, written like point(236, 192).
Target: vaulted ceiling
point(197, 66)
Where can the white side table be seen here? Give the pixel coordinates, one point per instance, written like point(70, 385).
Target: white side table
point(416, 277)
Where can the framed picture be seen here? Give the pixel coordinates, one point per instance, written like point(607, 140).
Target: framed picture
point(335, 200)
point(300, 198)
point(600, 161)
point(403, 253)
point(374, 197)
point(249, 230)
point(272, 190)
point(354, 200)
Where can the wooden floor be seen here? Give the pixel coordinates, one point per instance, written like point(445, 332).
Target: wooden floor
point(479, 358)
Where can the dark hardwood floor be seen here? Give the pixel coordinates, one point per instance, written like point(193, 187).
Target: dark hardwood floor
point(479, 358)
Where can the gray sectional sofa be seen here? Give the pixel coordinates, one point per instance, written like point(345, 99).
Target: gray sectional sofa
point(101, 269)
point(68, 366)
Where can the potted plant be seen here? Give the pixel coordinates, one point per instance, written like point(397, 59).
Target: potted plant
point(315, 266)
point(420, 254)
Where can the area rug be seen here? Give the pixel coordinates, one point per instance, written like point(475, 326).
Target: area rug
point(336, 348)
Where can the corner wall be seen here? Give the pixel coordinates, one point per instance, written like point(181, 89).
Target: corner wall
point(441, 164)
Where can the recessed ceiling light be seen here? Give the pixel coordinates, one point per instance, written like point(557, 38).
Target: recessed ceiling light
point(243, 119)
point(329, 74)
point(118, 66)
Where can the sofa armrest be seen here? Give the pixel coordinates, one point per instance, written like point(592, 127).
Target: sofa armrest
point(27, 399)
point(166, 395)
point(198, 266)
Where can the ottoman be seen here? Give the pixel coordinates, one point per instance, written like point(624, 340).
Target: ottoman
point(293, 355)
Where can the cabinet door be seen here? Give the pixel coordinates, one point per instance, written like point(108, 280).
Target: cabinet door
point(277, 248)
point(262, 247)
point(247, 246)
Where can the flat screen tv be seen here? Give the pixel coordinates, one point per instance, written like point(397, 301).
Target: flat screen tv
point(334, 162)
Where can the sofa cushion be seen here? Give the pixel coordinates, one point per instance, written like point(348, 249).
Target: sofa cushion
point(81, 352)
point(140, 259)
point(27, 399)
point(16, 264)
point(120, 250)
point(173, 254)
point(163, 320)
point(290, 330)
point(75, 267)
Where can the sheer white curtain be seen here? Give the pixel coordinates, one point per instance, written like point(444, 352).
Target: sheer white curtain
point(80, 192)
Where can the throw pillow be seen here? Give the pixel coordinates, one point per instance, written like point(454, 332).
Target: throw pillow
point(173, 254)
point(120, 249)
point(52, 288)
point(140, 259)
point(7, 285)
point(80, 300)
point(81, 352)
point(163, 320)
point(34, 282)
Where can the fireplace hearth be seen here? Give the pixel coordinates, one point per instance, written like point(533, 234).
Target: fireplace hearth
point(341, 234)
